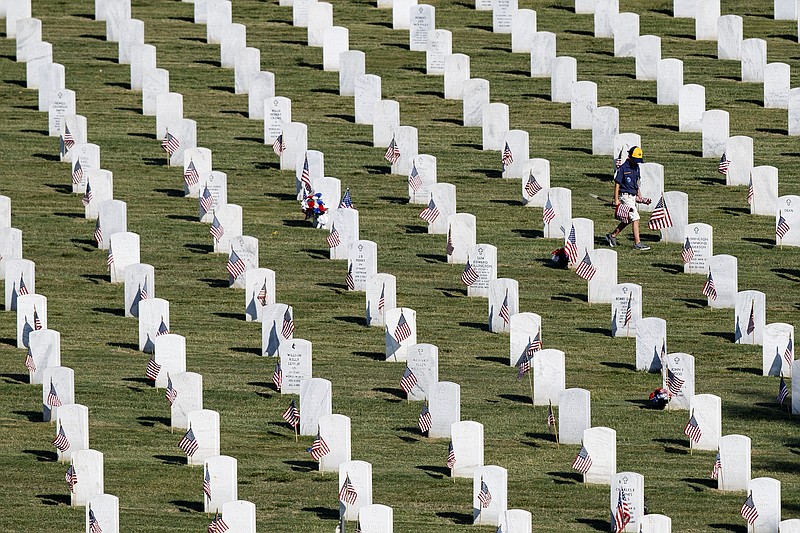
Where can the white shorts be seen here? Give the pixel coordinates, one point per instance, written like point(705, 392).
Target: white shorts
point(630, 201)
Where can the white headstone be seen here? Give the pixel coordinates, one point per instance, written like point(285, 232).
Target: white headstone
point(543, 52)
point(425, 166)
point(277, 114)
point(701, 239)
point(233, 39)
point(335, 40)
point(605, 15)
point(189, 397)
point(386, 119)
point(503, 13)
point(651, 183)
point(789, 526)
point(229, 217)
point(153, 321)
point(422, 18)
point(344, 222)
point(296, 364)
point(519, 144)
point(100, 183)
point(217, 185)
point(669, 80)
point(707, 410)
point(654, 523)
point(14, 12)
point(482, 259)
point(536, 180)
point(526, 333)
point(259, 291)
point(602, 284)
point(560, 199)
point(503, 303)
point(777, 354)
point(262, 87)
point(362, 263)
point(456, 73)
point(705, 21)
point(29, 33)
point(691, 106)
point(683, 8)
point(626, 32)
point(85, 157)
point(438, 47)
point(202, 161)
point(300, 11)
point(155, 83)
point(320, 18)
point(169, 108)
point(401, 14)
point(335, 431)
point(376, 518)
point(295, 135)
point(185, 132)
point(605, 126)
point(461, 231)
point(750, 317)
point(715, 125)
point(315, 402)
point(61, 380)
point(549, 376)
point(116, 12)
point(170, 355)
point(739, 151)
point(380, 298)
point(367, 92)
point(631, 487)
point(754, 60)
point(143, 58)
point(776, 86)
point(788, 209)
point(139, 286)
point(734, 457)
point(444, 196)
point(495, 480)
point(651, 343)
point(60, 104)
point(21, 279)
point(40, 55)
point(400, 333)
point(574, 415)
point(222, 474)
point(246, 65)
point(785, 9)
point(444, 405)
point(730, 31)
point(123, 250)
point(131, 34)
point(352, 65)
point(329, 188)
point(88, 465)
point(626, 309)
point(601, 443)
point(105, 509)
point(564, 74)
point(240, 515)
point(681, 366)
point(277, 325)
point(31, 316)
point(725, 272)
point(218, 15)
point(466, 438)
point(360, 475)
point(5, 212)
point(648, 57)
point(204, 423)
point(475, 94)
point(51, 80)
point(45, 348)
point(678, 206)
point(794, 111)
point(10, 247)
point(585, 7)
point(766, 493)
point(112, 217)
point(73, 419)
point(523, 28)
point(583, 102)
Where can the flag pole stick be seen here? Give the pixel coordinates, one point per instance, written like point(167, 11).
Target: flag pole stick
point(530, 382)
point(295, 433)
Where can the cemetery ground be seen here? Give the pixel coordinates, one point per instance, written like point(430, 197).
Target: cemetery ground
point(129, 420)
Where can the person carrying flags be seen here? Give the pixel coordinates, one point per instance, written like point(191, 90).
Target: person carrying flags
point(626, 194)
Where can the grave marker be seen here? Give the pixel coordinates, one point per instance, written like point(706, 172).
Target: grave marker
point(29, 33)
point(104, 508)
point(262, 88)
point(422, 18)
point(525, 338)
point(123, 250)
point(605, 126)
point(31, 316)
point(240, 515)
point(60, 105)
point(483, 260)
point(85, 157)
point(169, 108)
point(777, 354)
point(444, 405)
point(750, 317)
point(217, 185)
point(295, 135)
point(400, 333)
point(143, 58)
point(543, 52)
point(277, 114)
point(300, 12)
point(492, 481)
point(228, 226)
point(100, 184)
point(705, 21)
point(765, 190)
point(523, 28)
point(776, 86)
point(335, 40)
point(139, 285)
point(794, 112)
point(204, 423)
point(131, 34)
point(112, 217)
point(246, 65)
point(707, 410)
point(655, 523)
point(315, 402)
point(14, 12)
point(475, 93)
point(421, 188)
point(503, 304)
point(679, 379)
point(233, 39)
point(401, 14)
point(535, 182)
point(116, 12)
point(691, 106)
point(518, 144)
point(626, 32)
point(648, 57)
point(58, 389)
point(734, 458)
point(73, 422)
point(352, 65)
point(5, 212)
point(88, 469)
point(45, 348)
point(360, 475)
point(438, 47)
point(40, 55)
point(766, 494)
point(10, 247)
point(155, 84)
point(583, 102)
point(605, 15)
point(320, 18)
point(220, 471)
point(601, 444)
point(362, 263)
point(218, 16)
point(344, 225)
point(503, 12)
point(376, 518)
point(651, 343)
point(380, 298)
point(21, 276)
point(335, 431)
point(277, 325)
point(574, 415)
point(724, 269)
point(170, 354)
point(188, 387)
point(651, 184)
point(386, 119)
point(626, 309)
point(456, 73)
point(669, 80)
point(730, 31)
point(564, 74)
point(367, 92)
point(549, 376)
point(788, 209)
point(51, 80)
point(259, 291)
point(715, 125)
point(678, 206)
point(461, 230)
point(560, 200)
point(466, 438)
point(630, 487)
point(603, 282)
point(754, 60)
point(296, 364)
point(701, 242)
point(76, 124)
point(153, 321)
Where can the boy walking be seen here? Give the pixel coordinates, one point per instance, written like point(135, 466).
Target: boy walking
point(626, 193)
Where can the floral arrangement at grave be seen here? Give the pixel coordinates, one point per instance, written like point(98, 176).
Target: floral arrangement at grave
point(659, 398)
point(313, 207)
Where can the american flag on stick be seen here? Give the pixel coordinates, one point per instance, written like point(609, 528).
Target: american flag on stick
point(190, 175)
point(451, 456)
point(571, 247)
point(170, 144)
point(724, 164)
point(153, 368)
point(687, 254)
point(319, 448)
point(782, 228)
point(170, 393)
point(408, 381)
point(430, 213)
point(583, 461)
point(392, 152)
point(206, 200)
point(287, 328)
point(98, 232)
point(29, 363)
point(504, 310)
point(414, 181)
point(347, 493)
point(277, 376)
point(52, 397)
point(425, 419)
point(403, 330)
point(71, 477)
point(94, 525)
point(305, 177)
point(235, 266)
point(189, 443)
point(469, 276)
point(484, 496)
point(717, 467)
point(77, 173)
point(88, 195)
point(708, 287)
point(61, 442)
point(507, 157)
point(333, 238)
point(586, 269)
point(532, 186)
point(23, 289)
point(660, 218)
point(749, 511)
point(674, 383)
point(692, 429)
point(216, 230)
point(279, 146)
point(750, 191)
point(292, 415)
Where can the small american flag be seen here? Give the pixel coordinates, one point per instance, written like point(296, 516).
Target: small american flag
point(207, 485)
point(98, 232)
point(206, 200)
point(170, 144)
point(451, 456)
point(692, 429)
point(749, 511)
point(319, 448)
point(279, 146)
point(783, 391)
point(382, 299)
point(37, 322)
point(188, 443)
point(143, 290)
point(449, 248)
point(659, 218)
point(94, 525)
point(532, 186)
point(717, 467)
point(687, 254)
point(162, 328)
point(484, 496)
point(408, 381)
point(61, 442)
point(29, 363)
point(71, 477)
point(235, 266)
point(262, 295)
point(217, 525)
point(623, 213)
point(507, 157)
point(469, 276)
point(190, 175)
point(291, 415)
point(724, 164)
point(586, 269)
point(674, 383)
point(622, 516)
point(347, 200)
point(392, 152)
point(87, 195)
point(782, 228)
point(788, 353)
point(551, 418)
point(77, 173)
point(414, 181)
point(23, 289)
point(403, 330)
point(287, 328)
point(153, 368)
point(751, 322)
point(523, 365)
point(52, 397)
point(708, 287)
point(277, 376)
point(109, 258)
point(534, 345)
point(548, 214)
point(333, 238)
point(629, 310)
point(170, 393)
point(750, 191)
point(305, 177)
point(424, 421)
point(430, 213)
point(504, 311)
point(67, 138)
point(583, 461)
point(216, 230)
point(571, 246)
point(348, 279)
point(347, 493)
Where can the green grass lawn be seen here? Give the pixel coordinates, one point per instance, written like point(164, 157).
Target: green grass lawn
point(129, 420)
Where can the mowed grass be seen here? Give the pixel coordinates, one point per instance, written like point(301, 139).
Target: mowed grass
point(129, 420)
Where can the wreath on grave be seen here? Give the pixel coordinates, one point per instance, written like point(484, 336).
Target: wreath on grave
point(312, 206)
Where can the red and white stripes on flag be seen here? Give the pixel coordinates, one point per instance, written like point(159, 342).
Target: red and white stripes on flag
point(507, 157)
point(585, 268)
point(532, 186)
point(408, 381)
point(235, 266)
point(170, 144)
point(392, 152)
point(61, 442)
point(469, 276)
point(623, 213)
point(347, 493)
point(724, 164)
point(349, 281)
point(708, 287)
point(583, 461)
point(153, 368)
point(190, 175)
point(687, 254)
point(279, 146)
point(430, 213)
point(548, 214)
point(571, 247)
point(77, 173)
point(333, 238)
point(414, 181)
point(287, 328)
point(660, 218)
point(189, 443)
point(782, 228)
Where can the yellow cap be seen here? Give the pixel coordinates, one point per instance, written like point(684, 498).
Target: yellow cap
point(636, 152)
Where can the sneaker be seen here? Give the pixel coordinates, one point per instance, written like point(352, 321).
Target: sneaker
point(612, 241)
point(641, 246)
